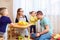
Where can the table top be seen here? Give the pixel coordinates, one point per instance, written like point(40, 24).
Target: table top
point(19, 26)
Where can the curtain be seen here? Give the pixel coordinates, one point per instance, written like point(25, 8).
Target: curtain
point(50, 8)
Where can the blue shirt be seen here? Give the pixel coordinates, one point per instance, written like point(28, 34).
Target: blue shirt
point(46, 21)
point(3, 23)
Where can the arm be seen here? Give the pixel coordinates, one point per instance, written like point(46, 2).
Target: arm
point(46, 26)
point(9, 22)
point(43, 32)
point(46, 30)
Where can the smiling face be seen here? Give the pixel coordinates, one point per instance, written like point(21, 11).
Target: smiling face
point(39, 15)
point(3, 11)
point(33, 13)
point(20, 11)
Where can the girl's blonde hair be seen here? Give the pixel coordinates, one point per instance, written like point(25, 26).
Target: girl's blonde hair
point(31, 12)
point(2, 9)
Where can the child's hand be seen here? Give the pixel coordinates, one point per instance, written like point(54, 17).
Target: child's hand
point(11, 25)
point(37, 34)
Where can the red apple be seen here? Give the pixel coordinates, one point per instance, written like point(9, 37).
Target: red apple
point(58, 38)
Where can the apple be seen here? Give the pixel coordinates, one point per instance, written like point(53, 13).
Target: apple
point(57, 36)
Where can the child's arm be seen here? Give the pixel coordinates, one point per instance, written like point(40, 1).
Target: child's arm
point(11, 24)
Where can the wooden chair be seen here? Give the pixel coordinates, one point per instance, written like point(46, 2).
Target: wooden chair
point(1, 37)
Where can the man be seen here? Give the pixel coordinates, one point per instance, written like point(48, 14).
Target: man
point(47, 29)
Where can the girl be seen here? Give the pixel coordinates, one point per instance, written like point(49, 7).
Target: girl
point(4, 20)
point(21, 17)
point(33, 20)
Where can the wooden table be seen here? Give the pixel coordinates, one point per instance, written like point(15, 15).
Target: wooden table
point(18, 26)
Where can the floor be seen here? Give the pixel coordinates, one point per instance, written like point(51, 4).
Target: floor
point(14, 39)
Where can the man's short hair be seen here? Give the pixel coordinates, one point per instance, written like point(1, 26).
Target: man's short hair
point(39, 13)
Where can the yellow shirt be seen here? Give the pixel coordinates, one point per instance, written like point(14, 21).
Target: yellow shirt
point(33, 20)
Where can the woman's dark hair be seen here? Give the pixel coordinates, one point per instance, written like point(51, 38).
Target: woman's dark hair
point(39, 13)
point(1, 10)
point(18, 15)
point(19, 10)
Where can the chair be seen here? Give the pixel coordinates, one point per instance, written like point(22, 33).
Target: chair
point(1, 37)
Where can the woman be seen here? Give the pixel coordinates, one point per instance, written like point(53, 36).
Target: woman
point(21, 17)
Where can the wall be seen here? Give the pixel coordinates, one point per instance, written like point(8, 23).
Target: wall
point(16, 5)
point(51, 8)
point(8, 4)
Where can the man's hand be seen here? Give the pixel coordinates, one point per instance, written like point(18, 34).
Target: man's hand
point(37, 34)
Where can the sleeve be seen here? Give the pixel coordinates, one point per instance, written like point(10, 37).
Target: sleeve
point(46, 21)
point(9, 20)
point(16, 20)
point(26, 19)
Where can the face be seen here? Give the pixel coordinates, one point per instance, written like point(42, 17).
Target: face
point(39, 17)
point(20, 12)
point(33, 14)
point(5, 12)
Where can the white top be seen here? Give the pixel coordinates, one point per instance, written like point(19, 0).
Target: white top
point(22, 19)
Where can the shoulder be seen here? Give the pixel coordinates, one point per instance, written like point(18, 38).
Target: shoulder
point(45, 18)
point(4, 17)
point(16, 19)
point(25, 16)
point(7, 18)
